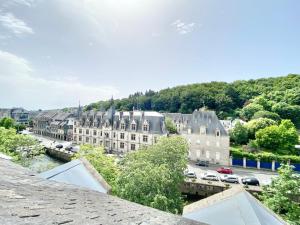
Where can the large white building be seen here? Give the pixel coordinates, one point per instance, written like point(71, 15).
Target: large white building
point(119, 132)
point(207, 138)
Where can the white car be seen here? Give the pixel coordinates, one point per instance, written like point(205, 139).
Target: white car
point(190, 174)
point(230, 179)
point(210, 176)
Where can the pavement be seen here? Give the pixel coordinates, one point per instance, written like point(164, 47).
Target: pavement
point(264, 177)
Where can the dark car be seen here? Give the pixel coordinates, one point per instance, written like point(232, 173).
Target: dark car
point(69, 148)
point(59, 146)
point(250, 181)
point(202, 163)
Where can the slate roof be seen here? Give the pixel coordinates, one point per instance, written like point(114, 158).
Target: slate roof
point(197, 119)
point(234, 206)
point(114, 118)
point(28, 199)
point(78, 172)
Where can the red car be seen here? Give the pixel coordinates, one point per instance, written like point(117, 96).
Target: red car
point(225, 170)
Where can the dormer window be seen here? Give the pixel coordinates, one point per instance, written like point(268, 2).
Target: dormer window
point(133, 126)
point(145, 126)
point(202, 130)
point(122, 126)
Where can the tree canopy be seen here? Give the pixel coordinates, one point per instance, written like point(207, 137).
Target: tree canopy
point(152, 176)
point(225, 98)
point(281, 194)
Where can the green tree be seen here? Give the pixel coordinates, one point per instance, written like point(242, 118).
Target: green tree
point(266, 114)
point(282, 138)
point(17, 145)
point(7, 122)
point(255, 125)
point(152, 176)
point(281, 195)
point(171, 127)
point(287, 111)
point(239, 134)
point(249, 110)
point(104, 164)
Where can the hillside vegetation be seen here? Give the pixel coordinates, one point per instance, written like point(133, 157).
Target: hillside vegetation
point(227, 99)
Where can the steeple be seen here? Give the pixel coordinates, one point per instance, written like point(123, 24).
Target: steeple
point(79, 111)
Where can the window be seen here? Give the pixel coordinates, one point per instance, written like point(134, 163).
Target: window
point(145, 138)
point(122, 135)
point(80, 138)
point(122, 145)
point(106, 135)
point(74, 130)
point(95, 132)
point(75, 123)
point(207, 154)
point(114, 134)
point(101, 133)
point(80, 131)
point(107, 143)
point(75, 138)
point(218, 133)
point(87, 131)
point(145, 127)
point(122, 126)
point(94, 140)
point(101, 142)
point(155, 139)
point(114, 145)
point(217, 156)
point(133, 126)
point(133, 137)
point(132, 146)
point(86, 139)
point(202, 130)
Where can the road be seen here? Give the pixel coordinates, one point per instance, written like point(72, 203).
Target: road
point(263, 176)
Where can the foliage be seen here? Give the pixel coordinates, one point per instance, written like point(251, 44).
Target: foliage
point(152, 176)
point(7, 122)
point(282, 138)
point(281, 194)
point(171, 127)
point(266, 114)
point(225, 98)
point(18, 146)
point(286, 111)
point(257, 124)
point(263, 156)
point(249, 110)
point(104, 164)
point(239, 134)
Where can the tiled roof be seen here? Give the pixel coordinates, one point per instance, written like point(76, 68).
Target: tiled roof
point(27, 199)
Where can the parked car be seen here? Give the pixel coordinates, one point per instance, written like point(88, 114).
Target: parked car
point(225, 170)
point(210, 176)
point(69, 148)
point(250, 181)
point(202, 163)
point(59, 146)
point(190, 174)
point(230, 179)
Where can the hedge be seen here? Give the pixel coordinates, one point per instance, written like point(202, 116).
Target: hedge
point(264, 156)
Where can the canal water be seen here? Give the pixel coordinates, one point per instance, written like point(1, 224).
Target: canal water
point(41, 163)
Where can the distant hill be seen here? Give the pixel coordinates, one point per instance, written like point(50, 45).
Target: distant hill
point(225, 98)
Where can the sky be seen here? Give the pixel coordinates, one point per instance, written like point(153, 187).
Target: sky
point(55, 53)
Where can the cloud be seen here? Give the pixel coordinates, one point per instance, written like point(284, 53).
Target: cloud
point(15, 25)
point(8, 3)
point(183, 28)
point(21, 87)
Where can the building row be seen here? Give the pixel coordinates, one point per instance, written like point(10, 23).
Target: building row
point(20, 115)
point(120, 132)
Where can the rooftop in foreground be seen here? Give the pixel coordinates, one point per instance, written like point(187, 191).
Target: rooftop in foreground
point(27, 199)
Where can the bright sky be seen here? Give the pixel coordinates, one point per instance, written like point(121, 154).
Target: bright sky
point(54, 53)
